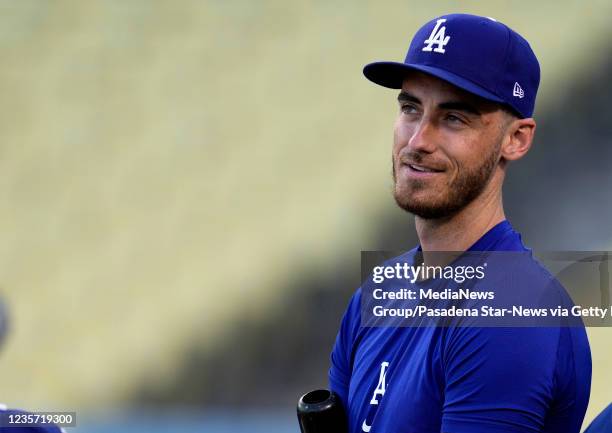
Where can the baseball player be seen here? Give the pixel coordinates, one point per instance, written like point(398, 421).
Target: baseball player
point(467, 90)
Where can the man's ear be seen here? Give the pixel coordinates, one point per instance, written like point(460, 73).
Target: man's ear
point(520, 134)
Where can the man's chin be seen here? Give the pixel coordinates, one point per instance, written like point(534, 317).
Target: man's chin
point(424, 210)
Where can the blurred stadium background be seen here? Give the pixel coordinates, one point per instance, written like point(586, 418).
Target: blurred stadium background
point(185, 187)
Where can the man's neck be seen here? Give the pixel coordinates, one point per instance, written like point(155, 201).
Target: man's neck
point(460, 231)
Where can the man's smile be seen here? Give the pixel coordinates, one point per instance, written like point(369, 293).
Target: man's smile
point(420, 170)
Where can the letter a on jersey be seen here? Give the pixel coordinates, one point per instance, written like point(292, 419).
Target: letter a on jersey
point(437, 37)
point(382, 385)
point(379, 391)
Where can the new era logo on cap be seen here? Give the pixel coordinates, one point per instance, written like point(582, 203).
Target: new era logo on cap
point(477, 54)
point(518, 91)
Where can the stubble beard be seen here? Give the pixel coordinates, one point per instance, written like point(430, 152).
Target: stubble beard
point(466, 187)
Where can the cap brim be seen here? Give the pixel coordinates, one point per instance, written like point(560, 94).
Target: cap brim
point(392, 75)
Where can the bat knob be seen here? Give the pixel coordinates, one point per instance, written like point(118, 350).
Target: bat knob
point(321, 411)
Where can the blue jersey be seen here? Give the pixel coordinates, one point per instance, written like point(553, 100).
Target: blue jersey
point(461, 379)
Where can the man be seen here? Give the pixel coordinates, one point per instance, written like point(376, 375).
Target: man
point(468, 88)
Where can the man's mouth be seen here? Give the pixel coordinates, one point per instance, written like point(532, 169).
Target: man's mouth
point(423, 169)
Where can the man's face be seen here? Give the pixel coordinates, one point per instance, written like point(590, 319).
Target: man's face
point(446, 146)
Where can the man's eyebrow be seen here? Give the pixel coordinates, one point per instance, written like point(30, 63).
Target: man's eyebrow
point(450, 105)
point(460, 106)
point(407, 97)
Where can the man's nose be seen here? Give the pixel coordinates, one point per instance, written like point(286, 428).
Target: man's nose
point(424, 136)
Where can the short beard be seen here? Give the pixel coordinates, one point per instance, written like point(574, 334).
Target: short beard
point(462, 191)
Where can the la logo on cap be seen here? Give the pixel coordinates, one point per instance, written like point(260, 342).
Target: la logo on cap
point(437, 37)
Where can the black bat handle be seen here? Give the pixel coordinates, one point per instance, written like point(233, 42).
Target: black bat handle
point(321, 411)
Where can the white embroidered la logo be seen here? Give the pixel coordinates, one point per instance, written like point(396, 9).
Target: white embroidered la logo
point(437, 37)
point(518, 91)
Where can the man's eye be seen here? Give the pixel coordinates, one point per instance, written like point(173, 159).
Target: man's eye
point(454, 119)
point(408, 109)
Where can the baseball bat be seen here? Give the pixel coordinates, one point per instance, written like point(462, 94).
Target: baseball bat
point(321, 411)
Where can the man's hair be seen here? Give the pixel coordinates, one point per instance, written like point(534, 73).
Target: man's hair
point(510, 111)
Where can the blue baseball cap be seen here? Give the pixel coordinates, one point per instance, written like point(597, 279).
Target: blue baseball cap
point(477, 54)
